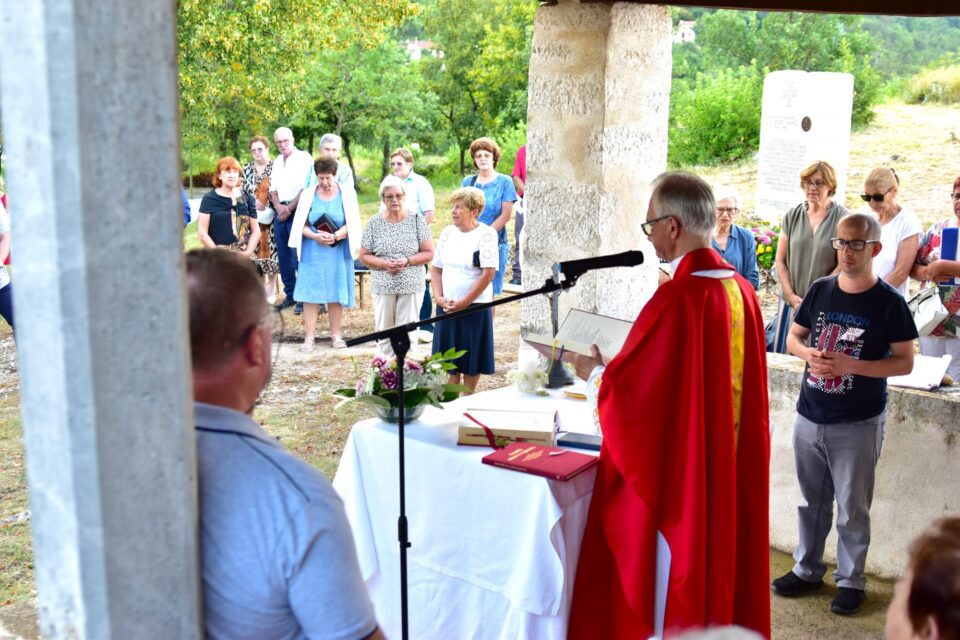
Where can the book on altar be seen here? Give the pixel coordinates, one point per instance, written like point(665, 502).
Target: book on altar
point(578, 331)
point(498, 427)
point(549, 462)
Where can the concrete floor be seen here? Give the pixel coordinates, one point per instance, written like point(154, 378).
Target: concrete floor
point(805, 618)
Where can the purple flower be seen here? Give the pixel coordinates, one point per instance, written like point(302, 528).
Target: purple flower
point(359, 387)
point(755, 231)
point(770, 233)
point(378, 362)
point(765, 239)
point(390, 380)
point(413, 365)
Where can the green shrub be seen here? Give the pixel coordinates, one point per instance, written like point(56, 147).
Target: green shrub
point(717, 118)
point(935, 85)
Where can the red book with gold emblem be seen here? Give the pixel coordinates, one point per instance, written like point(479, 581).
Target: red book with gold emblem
point(549, 462)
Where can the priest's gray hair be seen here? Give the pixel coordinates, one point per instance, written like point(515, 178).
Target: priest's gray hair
point(688, 198)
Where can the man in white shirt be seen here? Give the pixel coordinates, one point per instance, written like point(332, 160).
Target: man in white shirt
point(330, 145)
point(419, 198)
point(292, 171)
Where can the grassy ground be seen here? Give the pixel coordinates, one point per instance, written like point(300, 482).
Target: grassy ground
point(297, 408)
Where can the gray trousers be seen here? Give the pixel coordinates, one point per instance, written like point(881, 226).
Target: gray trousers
point(836, 460)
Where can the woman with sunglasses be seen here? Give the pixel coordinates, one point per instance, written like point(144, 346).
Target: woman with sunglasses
point(804, 252)
point(933, 269)
point(899, 228)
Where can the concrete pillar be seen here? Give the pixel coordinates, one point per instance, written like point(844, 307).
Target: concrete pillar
point(89, 90)
point(597, 135)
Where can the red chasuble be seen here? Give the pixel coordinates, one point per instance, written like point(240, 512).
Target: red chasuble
point(686, 452)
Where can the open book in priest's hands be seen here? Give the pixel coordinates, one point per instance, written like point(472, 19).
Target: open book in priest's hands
point(577, 332)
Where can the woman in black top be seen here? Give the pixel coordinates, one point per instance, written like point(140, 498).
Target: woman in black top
point(228, 216)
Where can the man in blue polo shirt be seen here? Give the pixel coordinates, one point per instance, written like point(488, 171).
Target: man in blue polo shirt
point(278, 557)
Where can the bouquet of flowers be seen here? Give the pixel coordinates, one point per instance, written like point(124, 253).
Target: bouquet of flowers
point(766, 239)
point(424, 382)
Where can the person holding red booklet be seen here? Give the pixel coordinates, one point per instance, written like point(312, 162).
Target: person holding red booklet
point(682, 490)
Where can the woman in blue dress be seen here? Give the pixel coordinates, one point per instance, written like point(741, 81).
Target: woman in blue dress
point(499, 194)
point(326, 251)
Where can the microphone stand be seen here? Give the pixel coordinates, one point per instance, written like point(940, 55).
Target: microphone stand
point(399, 337)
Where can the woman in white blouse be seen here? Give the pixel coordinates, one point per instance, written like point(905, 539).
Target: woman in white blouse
point(899, 228)
point(395, 245)
point(465, 262)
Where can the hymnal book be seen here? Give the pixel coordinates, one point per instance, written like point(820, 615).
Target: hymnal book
point(326, 224)
point(579, 330)
point(499, 427)
point(949, 241)
point(549, 462)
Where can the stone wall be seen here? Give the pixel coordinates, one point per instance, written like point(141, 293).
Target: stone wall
point(596, 132)
point(918, 476)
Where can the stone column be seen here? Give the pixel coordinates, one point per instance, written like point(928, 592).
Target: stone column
point(89, 90)
point(597, 135)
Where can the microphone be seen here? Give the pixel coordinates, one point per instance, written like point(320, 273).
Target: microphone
point(575, 268)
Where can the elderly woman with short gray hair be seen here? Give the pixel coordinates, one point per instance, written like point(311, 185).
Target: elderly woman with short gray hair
point(395, 246)
point(735, 244)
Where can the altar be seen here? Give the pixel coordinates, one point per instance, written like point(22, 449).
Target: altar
point(494, 552)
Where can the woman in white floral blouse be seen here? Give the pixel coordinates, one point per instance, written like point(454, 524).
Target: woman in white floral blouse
point(932, 269)
point(395, 246)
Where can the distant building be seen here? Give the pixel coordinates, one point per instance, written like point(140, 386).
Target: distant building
point(684, 32)
point(415, 48)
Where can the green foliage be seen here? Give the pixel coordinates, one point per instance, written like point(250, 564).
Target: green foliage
point(908, 44)
point(717, 118)
point(718, 82)
point(480, 79)
point(242, 63)
point(940, 85)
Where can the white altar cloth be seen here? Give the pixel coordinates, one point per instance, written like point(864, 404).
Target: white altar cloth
point(494, 552)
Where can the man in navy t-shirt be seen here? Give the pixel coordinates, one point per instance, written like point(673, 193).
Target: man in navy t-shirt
point(853, 330)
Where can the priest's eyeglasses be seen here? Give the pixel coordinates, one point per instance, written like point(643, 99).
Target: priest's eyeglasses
point(853, 245)
point(648, 225)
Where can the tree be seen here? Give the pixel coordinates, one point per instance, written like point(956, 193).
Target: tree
point(480, 73)
point(242, 61)
point(803, 41)
point(372, 94)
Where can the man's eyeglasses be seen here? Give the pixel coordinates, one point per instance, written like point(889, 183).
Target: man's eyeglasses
point(267, 319)
point(853, 245)
point(393, 197)
point(876, 197)
point(648, 226)
point(727, 210)
point(816, 184)
point(955, 196)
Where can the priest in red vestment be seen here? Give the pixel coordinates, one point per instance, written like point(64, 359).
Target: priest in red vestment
point(677, 535)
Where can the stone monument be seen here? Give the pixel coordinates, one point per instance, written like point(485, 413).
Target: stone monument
point(805, 117)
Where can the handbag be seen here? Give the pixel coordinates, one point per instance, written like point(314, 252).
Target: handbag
point(927, 310)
